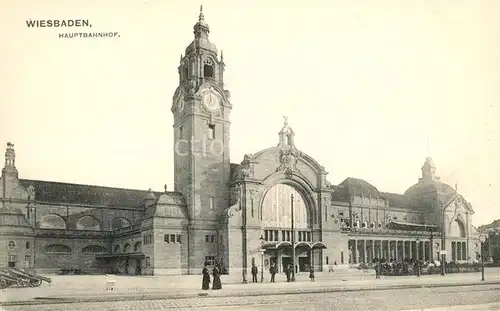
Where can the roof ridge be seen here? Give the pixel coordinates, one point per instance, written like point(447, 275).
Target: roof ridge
point(87, 185)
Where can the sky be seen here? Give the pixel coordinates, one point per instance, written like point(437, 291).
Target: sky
point(371, 88)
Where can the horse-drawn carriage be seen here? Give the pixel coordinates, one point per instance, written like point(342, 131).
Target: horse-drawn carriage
point(15, 277)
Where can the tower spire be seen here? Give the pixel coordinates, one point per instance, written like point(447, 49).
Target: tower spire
point(201, 17)
point(201, 27)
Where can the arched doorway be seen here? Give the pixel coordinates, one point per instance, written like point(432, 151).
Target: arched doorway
point(276, 223)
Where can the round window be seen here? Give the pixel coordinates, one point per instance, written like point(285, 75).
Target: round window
point(12, 244)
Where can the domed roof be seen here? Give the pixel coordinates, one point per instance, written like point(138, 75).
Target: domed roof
point(13, 219)
point(201, 31)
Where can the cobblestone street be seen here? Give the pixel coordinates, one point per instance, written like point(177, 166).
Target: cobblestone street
point(400, 299)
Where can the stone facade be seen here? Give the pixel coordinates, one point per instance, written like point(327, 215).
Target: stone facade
point(233, 214)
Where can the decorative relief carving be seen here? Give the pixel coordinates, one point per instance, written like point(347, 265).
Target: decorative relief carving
point(235, 199)
point(31, 192)
point(288, 160)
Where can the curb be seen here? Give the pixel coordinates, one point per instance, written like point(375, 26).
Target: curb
point(62, 300)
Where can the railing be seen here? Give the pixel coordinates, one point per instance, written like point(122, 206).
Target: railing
point(125, 229)
point(391, 232)
point(71, 233)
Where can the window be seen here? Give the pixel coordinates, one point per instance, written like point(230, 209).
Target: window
point(208, 71)
point(172, 238)
point(147, 239)
point(276, 236)
point(179, 238)
point(210, 261)
point(93, 249)
point(341, 258)
point(27, 245)
point(326, 260)
point(211, 131)
point(27, 261)
point(166, 238)
point(209, 238)
point(186, 72)
point(309, 237)
point(211, 203)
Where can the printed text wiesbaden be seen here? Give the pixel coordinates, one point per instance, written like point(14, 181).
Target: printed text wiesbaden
point(58, 23)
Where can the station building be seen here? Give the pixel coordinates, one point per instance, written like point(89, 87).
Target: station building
point(225, 212)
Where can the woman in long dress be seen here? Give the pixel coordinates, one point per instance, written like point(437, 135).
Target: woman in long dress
point(205, 284)
point(216, 283)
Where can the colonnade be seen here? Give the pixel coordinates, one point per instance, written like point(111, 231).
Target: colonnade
point(366, 250)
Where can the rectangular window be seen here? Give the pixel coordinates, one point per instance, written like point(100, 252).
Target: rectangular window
point(211, 203)
point(166, 239)
point(207, 238)
point(266, 235)
point(212, 238)
point(288, 235)
point(210, 261)
point(283, 235)
point(211, 131)
point(453, 251)
point(308, 236)
point(27, 261)
point(464, 251)
point(276, 236)
point(179, 238)
point(172, 238)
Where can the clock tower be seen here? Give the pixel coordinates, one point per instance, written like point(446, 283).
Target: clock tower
point(201, 111)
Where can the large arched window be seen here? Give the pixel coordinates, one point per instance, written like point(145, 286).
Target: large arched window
point(52, 221)
point(459, 228)
point(119, 223)
point(276, 208)
point(137, 246)
point(88, 223)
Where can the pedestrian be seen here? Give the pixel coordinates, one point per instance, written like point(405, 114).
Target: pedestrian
point(216, 282)
point(311, 273)
point(205, 283)
point(272, 271)
point(287, 272)
point(255, 271)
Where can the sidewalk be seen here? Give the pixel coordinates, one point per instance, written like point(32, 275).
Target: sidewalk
point(92, 288)
point(482, 307)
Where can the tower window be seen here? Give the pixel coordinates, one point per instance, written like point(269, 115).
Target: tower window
point(211, 131)
point(211, 203)
point(186, 71)
point(208, 71)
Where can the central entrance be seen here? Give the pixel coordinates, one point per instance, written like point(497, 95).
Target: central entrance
point(277, 225)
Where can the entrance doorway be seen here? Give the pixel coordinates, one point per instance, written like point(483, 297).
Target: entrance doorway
point(304, 264)
point(285, 262)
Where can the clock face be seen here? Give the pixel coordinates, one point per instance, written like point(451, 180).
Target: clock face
point(211, 101)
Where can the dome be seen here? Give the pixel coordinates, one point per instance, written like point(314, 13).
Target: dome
point(428, 192)
point(13, 219)
point(201, 31)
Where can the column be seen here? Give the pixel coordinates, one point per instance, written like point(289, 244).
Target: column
point(396, 250)
point(355, 251)
point(404, 250)
point(364, 251)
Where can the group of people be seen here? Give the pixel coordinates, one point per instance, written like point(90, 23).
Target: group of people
point(216, 282)
point(288, 270)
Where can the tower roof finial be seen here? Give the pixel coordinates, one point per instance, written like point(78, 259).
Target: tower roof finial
point(201, 17)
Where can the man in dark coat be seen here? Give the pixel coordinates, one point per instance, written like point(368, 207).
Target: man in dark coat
point(287, 272)
point(255, 271)
point(272, 271)
point(217, 284)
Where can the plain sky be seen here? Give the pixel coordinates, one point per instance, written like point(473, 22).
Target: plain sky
point(370, 88)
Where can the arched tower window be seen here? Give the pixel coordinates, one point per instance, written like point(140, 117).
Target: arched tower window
point(208, 71)
point(276, 208)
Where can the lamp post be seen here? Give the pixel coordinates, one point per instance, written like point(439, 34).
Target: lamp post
point(418, 257)
point(293, 241)
point(262, 250)
point(482, 239)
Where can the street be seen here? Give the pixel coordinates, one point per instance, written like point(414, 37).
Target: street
point(400, 299)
